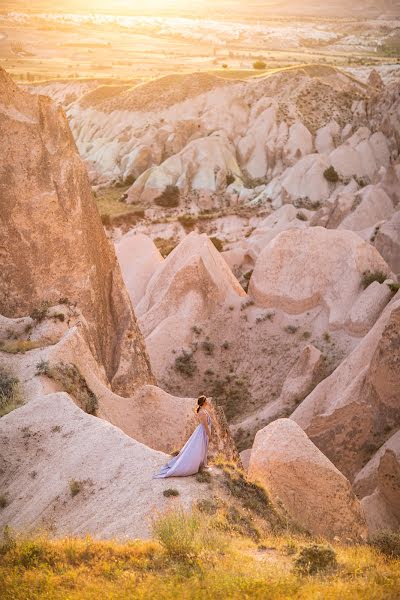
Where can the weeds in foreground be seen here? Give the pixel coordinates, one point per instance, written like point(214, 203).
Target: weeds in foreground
point(188, 559)
point(10, 392)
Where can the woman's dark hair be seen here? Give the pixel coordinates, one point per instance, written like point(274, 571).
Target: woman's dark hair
point(200, 402)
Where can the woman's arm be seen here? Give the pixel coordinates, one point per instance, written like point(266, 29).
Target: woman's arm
point(203, 420)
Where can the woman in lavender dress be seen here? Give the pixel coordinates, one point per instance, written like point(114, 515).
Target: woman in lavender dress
point(193, 455)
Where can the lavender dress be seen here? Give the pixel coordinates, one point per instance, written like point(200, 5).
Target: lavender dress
point(192, 456)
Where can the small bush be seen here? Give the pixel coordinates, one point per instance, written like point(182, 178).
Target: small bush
point(75, 487)
point(387, 542)
point(331, 175)
point(106, 220)
point(229, 179)
point(207, 506)
point(393, 286)
point(170, 492)
point(208, 347)
point(217, 243)
point(71, 380)
point(40, 313)
point(369, 277)
point(169, 198)
point(259, 65)
point(291, 329)
point(315, 559)
point(301, 216)
point(196, 330)
point(203, 477)
point(43, 367)
point(3, 501)
point(179, 533)
point(327, 336)
point(165, 246)
point(10, 392)
point(184, 364)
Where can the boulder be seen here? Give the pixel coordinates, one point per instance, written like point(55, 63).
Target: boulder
point(301, 269)
point(327, 137)
point(349, 414)
point(53, 243)
point(311, 489)
point(138, 258)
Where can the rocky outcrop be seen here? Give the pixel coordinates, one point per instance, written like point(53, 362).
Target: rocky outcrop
point(185, 290)
point(387, 242)
point(115, 494)
point(53, 244)
point(351, 413)
point(301, 269)
point(138, 258)
point(311, 489)
point(378, 484)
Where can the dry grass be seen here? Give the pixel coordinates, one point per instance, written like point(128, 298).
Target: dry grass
point(112, 211)
point(19, 346)
point(72, 382)
point(190, 558)
point(10, 392)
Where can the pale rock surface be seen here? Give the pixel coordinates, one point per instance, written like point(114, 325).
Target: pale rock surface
point(186, 289)
point(294, 273)
point(304, 179)
point(305, 374)
point(118, 495)
point(284, 218)
point(387, 242)
point(54, 245)
point(370, 206)
point(327, 138)
point(299, 144)
point(361, 155)
point(349, 414)
point(203, 164)
point(138, 258)
point(312, 490)
point(368, 307)
point(382, 507)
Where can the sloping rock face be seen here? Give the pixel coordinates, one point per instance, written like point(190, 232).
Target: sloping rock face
point(378, 484)
point(49, 443)
point(186, 289)
point(301, 269)
point(354, 411)
point(138, 258)
point(53, 243)
point(312, 490)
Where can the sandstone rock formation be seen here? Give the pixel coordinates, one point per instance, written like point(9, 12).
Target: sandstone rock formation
point(352, 413)
point(53, 243)
point(115, 495)
point(293, 273)
point(138, 258)
point(312, 490)
point(185, 290)
point(378, 484)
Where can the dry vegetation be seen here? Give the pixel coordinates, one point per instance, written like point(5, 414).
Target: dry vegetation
point(191, 557)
